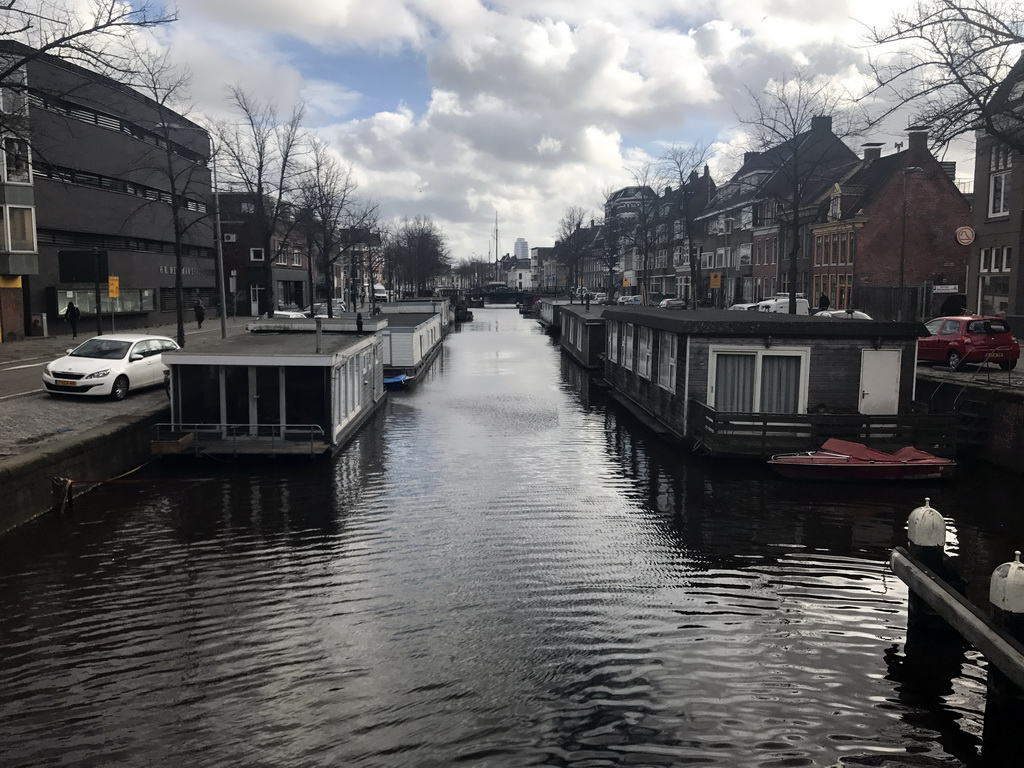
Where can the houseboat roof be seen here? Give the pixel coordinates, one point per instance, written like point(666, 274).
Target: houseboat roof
point(409, 319)
point(596, 311)
point(298, 348)
point(722, 322)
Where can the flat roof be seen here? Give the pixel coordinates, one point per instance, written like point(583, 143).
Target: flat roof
point(266, 343)
point(726, 322)
point(408, 319)
point(596, 311)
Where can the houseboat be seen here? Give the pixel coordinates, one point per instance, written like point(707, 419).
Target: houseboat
point(548, 314)
point(583, 334)
point(439, 306)
point(759, 384)
point(411, 341)
point(272, 393)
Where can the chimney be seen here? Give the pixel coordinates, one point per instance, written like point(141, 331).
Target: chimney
point(872, 151)
point(747, 157)
point(821, 123)
point(694, 176)
point(707, 170)
point(917, 138)
point(668, 190)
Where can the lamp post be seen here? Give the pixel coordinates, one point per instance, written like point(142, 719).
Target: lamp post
point(220, 251)
point(728, 261)
point(901, 297)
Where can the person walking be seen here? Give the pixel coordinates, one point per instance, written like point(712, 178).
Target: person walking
point(200, 311)
point(823, 303)
point(359, 323)
point(71, 314)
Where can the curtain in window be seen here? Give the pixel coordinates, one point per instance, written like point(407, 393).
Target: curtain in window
point(734, 383)
point(780, 383)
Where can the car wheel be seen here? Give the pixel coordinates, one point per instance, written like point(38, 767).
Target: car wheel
point(956, 362)
point(120, 389)
point(1008, 365)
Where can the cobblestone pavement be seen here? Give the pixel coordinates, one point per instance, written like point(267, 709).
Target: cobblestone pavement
point(41, 419)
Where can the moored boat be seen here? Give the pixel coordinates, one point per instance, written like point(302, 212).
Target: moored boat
point(847, 460)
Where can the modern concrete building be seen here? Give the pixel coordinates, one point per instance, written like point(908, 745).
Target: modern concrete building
point(94, 173)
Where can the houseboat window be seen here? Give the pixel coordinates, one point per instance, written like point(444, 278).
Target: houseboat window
point(627, 346)
point(758, 381)
point(613, 341)
point(643, 363)
point(667, 361)
point(200, 401)
point(236, 394)
point(306, 395)
point(268, 397)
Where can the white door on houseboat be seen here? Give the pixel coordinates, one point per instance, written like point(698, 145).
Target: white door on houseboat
point(880, 381)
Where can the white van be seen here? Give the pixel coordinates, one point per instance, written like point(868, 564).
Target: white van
point(380, 294)
point(781, 304)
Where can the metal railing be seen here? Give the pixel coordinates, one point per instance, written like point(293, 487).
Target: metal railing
point(271, 437)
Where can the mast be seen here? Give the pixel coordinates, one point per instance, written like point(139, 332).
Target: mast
point(497, 275)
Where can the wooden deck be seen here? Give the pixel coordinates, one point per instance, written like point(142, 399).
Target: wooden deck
point(761, 435)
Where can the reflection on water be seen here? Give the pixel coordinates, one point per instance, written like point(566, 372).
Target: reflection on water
point(503, 570)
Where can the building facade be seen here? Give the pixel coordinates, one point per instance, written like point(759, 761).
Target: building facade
point(91, 189)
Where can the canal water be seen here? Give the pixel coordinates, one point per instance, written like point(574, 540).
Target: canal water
point(503, 569)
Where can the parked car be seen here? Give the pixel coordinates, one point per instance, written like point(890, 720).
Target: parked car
point(284, 314)
point(781, 304)
point(629, 300)
point(969, 339)
point(749, 307)
point(849, 314)
point(319, 309)
point(108, 366)
point(599, 298)
point(672, 304)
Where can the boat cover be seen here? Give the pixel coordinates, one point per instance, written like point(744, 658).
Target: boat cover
point(863, 453)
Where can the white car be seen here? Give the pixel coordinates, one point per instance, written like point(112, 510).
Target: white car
point(108, 366)
point(630, 300)
point(850, 314)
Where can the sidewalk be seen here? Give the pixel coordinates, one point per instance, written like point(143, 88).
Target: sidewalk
point(54, 345)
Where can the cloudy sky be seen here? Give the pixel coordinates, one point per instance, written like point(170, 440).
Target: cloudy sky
point(463, 109)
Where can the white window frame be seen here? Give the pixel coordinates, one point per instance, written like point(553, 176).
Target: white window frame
point(645, 342)
point(253, 254)
point(4, 167)
point(296, 258)
point(8, 243)
point(804, 353)
point(667, 351)
point(999, 194)
point(627, 346)
point(613, 341)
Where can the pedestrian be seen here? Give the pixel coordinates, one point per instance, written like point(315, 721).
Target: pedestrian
point(359, 323)
point(823, 303)
point(200, 311)
point(586, 301)
point(71, 314)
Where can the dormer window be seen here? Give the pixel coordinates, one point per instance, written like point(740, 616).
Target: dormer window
point(835, 207)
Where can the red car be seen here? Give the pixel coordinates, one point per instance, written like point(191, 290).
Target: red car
point(969, 339)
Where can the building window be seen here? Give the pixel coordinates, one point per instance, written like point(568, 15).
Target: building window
point(627, 346)
point(667, 361)
point(247, 207)
point(281, 259)
point(995, 259)
point(757, 380)
point(296, 258)
point(16, 161)
point(22, 229)
point(835, 208)
point(999, 182)
point(255, 254)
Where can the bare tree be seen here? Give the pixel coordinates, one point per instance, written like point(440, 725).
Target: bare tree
point(572, 243)
point(796, 123)
point(92, 37)
point(326, 195)
point(949, 59)
point(684, 163)
point(418, 250)
point(183, 170)
point(636, 228)
point(264, 160)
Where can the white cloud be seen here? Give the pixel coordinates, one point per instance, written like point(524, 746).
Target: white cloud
point(530, 105)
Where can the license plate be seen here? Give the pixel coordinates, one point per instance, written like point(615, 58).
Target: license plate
point(63, 383)
point(995, 355)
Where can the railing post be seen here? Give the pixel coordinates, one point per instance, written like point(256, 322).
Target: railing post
point(1004, 703)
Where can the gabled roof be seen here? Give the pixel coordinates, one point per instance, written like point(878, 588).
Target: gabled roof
point(821, 156)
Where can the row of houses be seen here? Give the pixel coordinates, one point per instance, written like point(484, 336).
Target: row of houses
point(887, 234)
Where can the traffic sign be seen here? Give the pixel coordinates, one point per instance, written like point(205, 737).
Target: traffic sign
point(965, 235)
point(113, 286)
point(716, 279)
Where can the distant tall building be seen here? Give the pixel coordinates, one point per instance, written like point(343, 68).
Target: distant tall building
point(522, 249)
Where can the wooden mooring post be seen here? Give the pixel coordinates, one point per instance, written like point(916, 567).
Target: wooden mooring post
point(937, 607)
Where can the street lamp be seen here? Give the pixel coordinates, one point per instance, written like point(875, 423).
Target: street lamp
point(728, 261)
point(901, 298)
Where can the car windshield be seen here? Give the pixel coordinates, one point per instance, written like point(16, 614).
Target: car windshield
point(103, 349)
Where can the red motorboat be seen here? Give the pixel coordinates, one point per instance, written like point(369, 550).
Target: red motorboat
point(847, 460)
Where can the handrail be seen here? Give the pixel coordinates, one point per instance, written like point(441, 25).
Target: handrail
point(243, 432)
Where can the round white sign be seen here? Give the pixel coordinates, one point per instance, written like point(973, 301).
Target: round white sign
point(965, 235)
